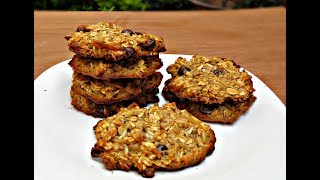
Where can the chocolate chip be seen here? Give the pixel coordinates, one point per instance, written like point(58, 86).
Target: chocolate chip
point(167, 82)
point(217, 72)
point(148, 44)
point(129, 51)
point(236, 65)
point(138, 33)
point(127, 62)
point(162, 147)
point(206, 109)
point(82, 28)
point(67, 37)
point(100, 110)
point(148, 172)
point(183, 70)
point(162, 49)
point(95, 152)
point(127, 31)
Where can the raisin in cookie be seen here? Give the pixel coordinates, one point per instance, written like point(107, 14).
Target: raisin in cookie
point(101, 69)
point(227, 112)
point(209, 80)
point(105, 110)
point(107, 92)
point(163, 138)
point(112, 42)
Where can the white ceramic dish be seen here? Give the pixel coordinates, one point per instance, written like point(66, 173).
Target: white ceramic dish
point(254, 147)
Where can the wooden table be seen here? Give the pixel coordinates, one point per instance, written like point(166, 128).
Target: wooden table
point(253, 38)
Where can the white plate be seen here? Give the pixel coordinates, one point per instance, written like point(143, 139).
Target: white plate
point(254, 147)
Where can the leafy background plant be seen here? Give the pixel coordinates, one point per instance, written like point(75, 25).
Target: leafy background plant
point(257, 3)
point(122, 5)
point(137, 5)
point(169, 4)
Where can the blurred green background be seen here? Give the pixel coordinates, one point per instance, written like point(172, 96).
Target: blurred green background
point(142, 5)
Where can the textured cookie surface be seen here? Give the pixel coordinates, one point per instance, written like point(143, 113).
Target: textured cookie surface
point(227, 112)
point(163, 138)
point(107, 92)
point(209, 80)
point(112, 42)
point(101, 69)
point(105, 110)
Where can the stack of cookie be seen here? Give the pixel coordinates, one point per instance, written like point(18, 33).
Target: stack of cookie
point(113, 68)
point(213, 89)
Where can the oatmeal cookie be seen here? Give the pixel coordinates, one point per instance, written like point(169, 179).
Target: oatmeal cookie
point(101, 69)
point(105, 110)
point(112, 42)
point(209, 80)
point(227, 112)
point(158, 138)
point(107, 92)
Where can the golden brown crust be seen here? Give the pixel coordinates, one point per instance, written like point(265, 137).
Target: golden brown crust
point(105, 110)
point(107, 92)
point(112, 42)
point(209, 80)
point(227, 112)
point(101, 69)
point(158, 138)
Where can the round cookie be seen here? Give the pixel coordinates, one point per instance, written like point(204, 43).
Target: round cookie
point(112, 42)
point(101, 69)
point(158, 138)
point(107, 92)
point(105, 110)
point(227, 112)
point(209, 80)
